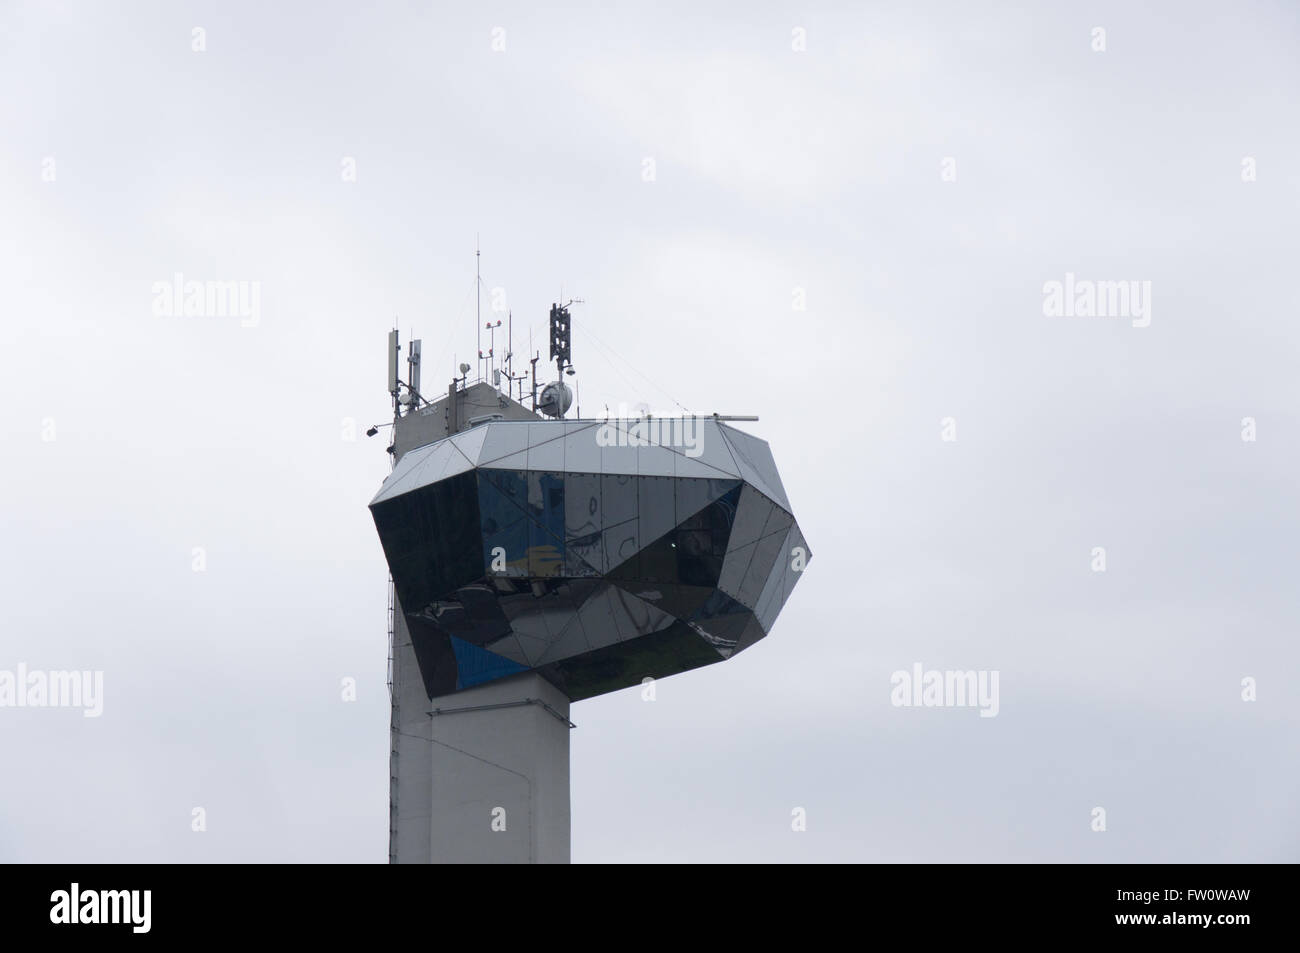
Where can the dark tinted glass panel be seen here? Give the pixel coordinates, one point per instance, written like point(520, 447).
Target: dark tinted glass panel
point(675, 649)
point(435, 658)
point(597, 614)
point(582, 512)
point(546, 528)
point(752, 512)
point(431, 540)
point(782, 583)
point(723, 632)
point(719, 604)
point(504, 526)
point(621, 544)
point(752, 633)
point(618, 498)
point(693, 494)
point(576, 558)
point(636, 616)
point(511, 483)
point(681, 602)
point(655, 563)
point(655, 506)
point(702, 541)
point(767, 551)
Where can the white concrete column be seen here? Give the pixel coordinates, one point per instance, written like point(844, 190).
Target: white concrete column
point(499, 756)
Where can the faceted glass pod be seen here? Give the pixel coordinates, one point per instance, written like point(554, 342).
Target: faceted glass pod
point(596, 554)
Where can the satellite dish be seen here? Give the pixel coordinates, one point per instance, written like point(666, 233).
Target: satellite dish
point(464, 368)
point(555, 400)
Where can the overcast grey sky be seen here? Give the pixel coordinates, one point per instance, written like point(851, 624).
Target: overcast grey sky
point(818, 174)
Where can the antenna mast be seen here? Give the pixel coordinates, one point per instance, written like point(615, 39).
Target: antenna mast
point(561, 341)
point(394, 349)
point(533, 363)
point(478, 305)
point(511, 379)
point(493, 373)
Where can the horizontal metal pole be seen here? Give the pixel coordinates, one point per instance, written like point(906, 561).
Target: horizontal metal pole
point(526, 701)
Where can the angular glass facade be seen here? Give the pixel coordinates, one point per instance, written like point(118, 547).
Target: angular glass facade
point(507, 559)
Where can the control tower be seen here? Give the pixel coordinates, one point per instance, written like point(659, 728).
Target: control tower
point(537, 560)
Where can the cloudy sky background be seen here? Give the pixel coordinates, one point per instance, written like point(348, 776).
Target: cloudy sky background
point(775, 170)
